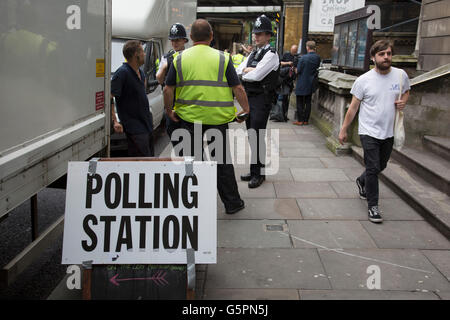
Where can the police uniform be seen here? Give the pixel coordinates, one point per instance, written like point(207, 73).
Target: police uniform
point(177, 31)
point(260, 85)
point(203, 95)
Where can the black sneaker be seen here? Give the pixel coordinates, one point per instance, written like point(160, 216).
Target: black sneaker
point(362, 190)
point(374, 214)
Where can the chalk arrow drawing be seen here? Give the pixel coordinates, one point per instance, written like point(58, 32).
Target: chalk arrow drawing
point(158, 278)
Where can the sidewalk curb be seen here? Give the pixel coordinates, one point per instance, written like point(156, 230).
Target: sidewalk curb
point(427, 208)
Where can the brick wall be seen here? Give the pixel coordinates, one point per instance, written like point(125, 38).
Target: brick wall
point(292, 26)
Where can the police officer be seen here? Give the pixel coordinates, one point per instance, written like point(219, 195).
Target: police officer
point(202, 79)
point(259, 74)
point(178, 38)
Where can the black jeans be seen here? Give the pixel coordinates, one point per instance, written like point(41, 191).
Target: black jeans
point(303, 108)
point(286, 105)
point(226, 179)
point(257, 120)
point(376, 156)
point(140, 145)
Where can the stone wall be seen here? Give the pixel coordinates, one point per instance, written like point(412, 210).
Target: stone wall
point(428, 109)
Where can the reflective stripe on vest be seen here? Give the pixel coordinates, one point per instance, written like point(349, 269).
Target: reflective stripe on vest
point(202, 91)
point(237, 59)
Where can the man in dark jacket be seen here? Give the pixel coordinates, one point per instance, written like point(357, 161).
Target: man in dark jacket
point(307, 72)
point(128, 89)
point(288, 63)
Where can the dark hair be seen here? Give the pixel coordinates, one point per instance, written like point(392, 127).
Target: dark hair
point(130, 48)
point(381, 45)
point(201, 30)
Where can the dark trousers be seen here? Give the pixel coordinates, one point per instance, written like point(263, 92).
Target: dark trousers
point(303, 108)
point(376, 156)
point(140, 145)
point(257, 120)
point(226, 179)
point(171, 126)
point(286, 106)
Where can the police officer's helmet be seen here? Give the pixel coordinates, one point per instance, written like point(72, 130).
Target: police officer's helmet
point(177, 31)
point(262, 24)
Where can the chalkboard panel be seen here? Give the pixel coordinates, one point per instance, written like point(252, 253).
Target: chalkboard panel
point(138, 282)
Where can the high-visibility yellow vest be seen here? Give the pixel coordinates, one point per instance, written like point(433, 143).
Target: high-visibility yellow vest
point(237, 59)
point(202, 93)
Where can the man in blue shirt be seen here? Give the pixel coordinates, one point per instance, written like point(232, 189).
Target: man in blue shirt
point(128, 89)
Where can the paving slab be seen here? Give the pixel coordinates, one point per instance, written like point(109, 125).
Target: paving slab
point(318, 175)
point(251, 294)
point(329, 234)
point(263, 209)
point(296, 144)
point(342, 163)
point(267, 269)
point(305, 153)
point(348, 189)
point(406, 234)
point(444, 295)
point(300, 163)
point(354, 209)
point(440, 259)
point(333, 209)
point(304, 190)
point(283, 174)
point(250, 234)
point(404, 270)
point(365, 295)
point(266, 190)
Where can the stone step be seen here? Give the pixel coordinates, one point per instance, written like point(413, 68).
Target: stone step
point(432, 204)
point(427, 165)
point(438, 145)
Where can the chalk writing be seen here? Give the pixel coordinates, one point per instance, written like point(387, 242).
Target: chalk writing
point(158, 279)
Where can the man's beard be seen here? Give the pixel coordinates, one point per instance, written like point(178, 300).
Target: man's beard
point(382, 66)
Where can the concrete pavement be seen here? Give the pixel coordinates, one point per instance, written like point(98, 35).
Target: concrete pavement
point(304, 234)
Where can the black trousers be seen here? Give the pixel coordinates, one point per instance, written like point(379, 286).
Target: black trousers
point(376, 156)
point(226, 179)
point(286, 105)
point(259, 115)
point(303, 108)
point(140, 145)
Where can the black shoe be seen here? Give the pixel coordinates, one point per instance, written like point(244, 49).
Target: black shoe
point(239, 207)
point(361, 189)
point(246, 177)
point(255, 182)
point(374, 215)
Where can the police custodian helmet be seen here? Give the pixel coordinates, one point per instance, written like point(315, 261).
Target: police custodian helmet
point(177, 31)
point(262, 24)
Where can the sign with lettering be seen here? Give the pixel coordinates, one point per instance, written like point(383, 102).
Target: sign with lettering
point(322, 13)
point(140, 212)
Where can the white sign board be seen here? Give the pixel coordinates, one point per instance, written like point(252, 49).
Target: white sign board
point(140, 212)
point(322, 13)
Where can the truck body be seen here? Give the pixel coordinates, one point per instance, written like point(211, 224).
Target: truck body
point(54, 94)
point(148, 21)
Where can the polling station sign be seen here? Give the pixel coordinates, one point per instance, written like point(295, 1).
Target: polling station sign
point(140, 212)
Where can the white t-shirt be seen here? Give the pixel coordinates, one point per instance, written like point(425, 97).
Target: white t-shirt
point(378, 94)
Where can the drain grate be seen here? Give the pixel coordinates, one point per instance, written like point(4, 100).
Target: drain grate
point(274, 227)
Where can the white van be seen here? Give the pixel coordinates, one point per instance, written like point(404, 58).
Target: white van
point(148, 21)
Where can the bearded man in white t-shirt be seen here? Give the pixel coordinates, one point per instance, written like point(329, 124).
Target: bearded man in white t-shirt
point(376, 94)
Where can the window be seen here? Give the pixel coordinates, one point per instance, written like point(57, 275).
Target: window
point(352, 39)
point(152, 60)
